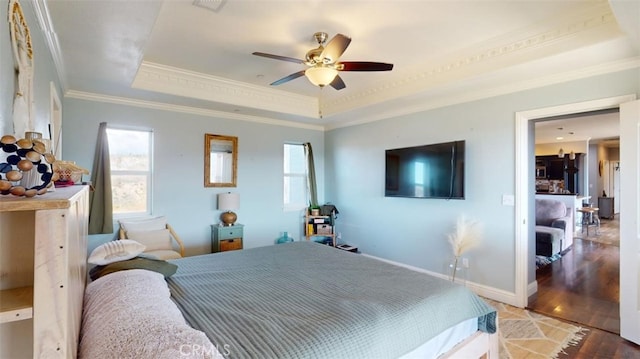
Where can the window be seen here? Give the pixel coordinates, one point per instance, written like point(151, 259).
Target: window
point(295, 177)
point(130, 154)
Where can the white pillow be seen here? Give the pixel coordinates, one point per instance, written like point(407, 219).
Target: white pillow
point(145, 224)
point(115, 251)
point(155, 240)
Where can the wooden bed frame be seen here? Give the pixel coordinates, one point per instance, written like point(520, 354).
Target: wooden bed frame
point(59, 278)
point(479, 345)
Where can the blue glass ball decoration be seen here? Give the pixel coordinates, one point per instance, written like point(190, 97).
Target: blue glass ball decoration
point(22, 156)
point(284, 239)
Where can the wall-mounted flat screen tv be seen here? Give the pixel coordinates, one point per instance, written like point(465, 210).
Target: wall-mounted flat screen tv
point(429, 171)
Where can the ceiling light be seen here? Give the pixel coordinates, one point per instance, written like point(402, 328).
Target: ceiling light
point(321, 75)
point(559, 138)
point(213, 5)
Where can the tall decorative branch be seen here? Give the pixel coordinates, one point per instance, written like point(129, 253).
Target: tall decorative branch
point(467, 235)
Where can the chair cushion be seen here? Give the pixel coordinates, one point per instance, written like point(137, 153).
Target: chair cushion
point(548, 210)
point(144, 224)
point(115, 251)
point(158, 239)
point(164, 254)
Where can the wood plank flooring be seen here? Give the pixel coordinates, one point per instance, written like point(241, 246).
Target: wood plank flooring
point(583, 287)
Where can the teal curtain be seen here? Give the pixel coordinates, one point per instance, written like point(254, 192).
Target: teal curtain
point(100, 202)
point(311, 175)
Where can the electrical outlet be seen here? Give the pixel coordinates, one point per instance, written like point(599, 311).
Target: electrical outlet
point(465, 262)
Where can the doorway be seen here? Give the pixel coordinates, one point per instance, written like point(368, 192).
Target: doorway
point(581, 284)
point(525, 284)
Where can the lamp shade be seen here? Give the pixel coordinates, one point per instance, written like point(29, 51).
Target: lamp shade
point(228, 202)
point(321, 76)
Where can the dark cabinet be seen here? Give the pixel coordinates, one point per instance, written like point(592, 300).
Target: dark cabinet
point(562, 168)
point(605, 205)
point(555, 168)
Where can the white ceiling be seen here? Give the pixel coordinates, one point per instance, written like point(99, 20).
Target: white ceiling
point(593, 127)
point(176, 54)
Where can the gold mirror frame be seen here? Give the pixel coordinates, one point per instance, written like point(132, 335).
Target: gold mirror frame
point(220, 160)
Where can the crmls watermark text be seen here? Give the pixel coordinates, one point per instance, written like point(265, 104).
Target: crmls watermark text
point(202, 350)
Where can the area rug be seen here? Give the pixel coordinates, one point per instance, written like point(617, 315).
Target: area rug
point(524, 334)
point(608, 233)
point(542, 261)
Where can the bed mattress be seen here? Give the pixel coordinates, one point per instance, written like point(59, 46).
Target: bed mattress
point(307, 300)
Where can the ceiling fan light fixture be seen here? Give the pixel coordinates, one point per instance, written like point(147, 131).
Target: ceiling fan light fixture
point(321, 75)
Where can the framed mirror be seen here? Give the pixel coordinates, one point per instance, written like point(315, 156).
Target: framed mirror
point(220, 160)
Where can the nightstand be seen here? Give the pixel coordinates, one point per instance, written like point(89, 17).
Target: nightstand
point(226, 238)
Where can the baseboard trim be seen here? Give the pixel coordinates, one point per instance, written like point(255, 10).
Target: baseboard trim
point(482, 290)
point(532, 288)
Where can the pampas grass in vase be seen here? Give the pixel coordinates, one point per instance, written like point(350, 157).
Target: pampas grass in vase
point(466, 236)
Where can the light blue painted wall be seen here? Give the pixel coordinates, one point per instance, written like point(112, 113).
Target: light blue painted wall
point(178, 191)
point(413, 231)
point(44, 73)
point(6, 76)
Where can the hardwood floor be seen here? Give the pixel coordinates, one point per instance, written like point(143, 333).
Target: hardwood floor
point(583, 287)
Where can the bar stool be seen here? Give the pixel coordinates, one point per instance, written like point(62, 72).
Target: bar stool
point(589, 218)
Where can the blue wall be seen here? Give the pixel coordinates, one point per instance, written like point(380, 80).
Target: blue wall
point(44, 73)
point(178, 191)
point(414, 231)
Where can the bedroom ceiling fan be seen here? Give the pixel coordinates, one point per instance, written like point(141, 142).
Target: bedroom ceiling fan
point(323, 64)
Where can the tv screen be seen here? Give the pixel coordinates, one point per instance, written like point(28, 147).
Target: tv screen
point(429, 171)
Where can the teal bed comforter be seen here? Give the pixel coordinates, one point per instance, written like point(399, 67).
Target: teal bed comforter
point(308, 300)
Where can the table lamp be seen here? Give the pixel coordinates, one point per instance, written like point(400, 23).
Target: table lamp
point(228, 202)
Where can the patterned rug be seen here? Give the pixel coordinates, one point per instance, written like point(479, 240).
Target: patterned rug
point(542, 261)
point(527, 335)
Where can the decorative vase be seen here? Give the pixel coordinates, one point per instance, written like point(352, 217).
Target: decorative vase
point(456, 271)
point(284, 239)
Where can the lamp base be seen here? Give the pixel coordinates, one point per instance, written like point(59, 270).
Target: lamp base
point(228, 218)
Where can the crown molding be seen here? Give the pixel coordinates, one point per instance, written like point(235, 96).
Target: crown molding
point(488, 56)
point(44, 20)
point(429, 103)
point(187, 109)
point(491, 55)
point(175, 81)
point(424, 104)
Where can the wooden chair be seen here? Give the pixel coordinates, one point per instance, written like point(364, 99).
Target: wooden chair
point(159, 238)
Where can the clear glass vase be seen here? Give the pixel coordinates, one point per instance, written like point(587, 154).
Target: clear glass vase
point(457, 273)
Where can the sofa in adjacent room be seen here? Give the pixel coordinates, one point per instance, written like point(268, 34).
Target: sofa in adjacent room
point(553, 225)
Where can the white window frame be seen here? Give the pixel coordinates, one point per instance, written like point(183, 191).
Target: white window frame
point(287, 207)
point(148, 173)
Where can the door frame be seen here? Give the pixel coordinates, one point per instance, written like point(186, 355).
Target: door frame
point(523, 186)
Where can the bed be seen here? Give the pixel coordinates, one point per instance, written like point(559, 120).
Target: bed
point(293, 300)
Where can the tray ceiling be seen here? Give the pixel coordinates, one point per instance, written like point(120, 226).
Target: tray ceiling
point(181, 54)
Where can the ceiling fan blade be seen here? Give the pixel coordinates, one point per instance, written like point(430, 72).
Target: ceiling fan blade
point(335, 48)
point(278, 57)
point(365, 66)
point(337, 83)
point(288, 78)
